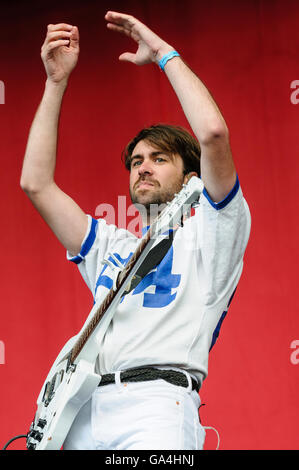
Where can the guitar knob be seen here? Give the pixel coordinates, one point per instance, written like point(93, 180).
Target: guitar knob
point(31, 446)
point(35, 435)
point(38, 436)
point(42, 423)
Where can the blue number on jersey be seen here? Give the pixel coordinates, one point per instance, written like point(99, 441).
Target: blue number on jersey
point(164, 281)
point(162, 278)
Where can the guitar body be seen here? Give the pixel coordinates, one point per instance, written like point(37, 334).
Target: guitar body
point(64, 392)
point(72, 378)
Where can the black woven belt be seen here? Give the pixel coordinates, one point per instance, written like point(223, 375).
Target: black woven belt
point(150, 373)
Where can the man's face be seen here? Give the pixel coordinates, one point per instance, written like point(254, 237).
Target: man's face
point(155, 176)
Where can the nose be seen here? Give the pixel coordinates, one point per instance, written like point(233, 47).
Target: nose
point(145, 168)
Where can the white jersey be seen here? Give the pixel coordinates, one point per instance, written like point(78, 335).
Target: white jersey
point(172, 318)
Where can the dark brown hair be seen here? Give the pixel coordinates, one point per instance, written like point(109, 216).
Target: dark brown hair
point(168, 138)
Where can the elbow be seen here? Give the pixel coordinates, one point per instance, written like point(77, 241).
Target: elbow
point(33, 182)
point(217, 133)
point(27, 186)
point(24, 185)
point(30, 187)
point(29, 191)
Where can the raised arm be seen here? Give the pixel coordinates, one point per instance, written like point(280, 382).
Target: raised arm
point(59, 54)
point(217, 166)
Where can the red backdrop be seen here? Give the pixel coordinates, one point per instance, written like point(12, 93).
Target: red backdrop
point(247, 54)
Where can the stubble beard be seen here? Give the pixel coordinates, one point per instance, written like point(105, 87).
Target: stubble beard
point(154, 201)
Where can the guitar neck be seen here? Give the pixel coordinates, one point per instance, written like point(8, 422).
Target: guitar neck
point(98, 315)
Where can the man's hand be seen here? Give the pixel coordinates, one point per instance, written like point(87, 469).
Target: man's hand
point(60, 51)
point(151, 48)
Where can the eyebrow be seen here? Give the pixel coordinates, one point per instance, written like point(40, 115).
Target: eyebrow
point(152, 154)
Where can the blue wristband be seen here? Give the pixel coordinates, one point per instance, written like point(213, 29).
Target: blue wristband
point(166, 58)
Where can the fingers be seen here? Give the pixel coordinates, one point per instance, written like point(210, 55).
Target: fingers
point(74, 35)
point(54, 44)
point(130, 26)
point(119, 29)
point(128, 57)
point(55, 35)
point(62, 31)
point(59, 27)
point(60, 34)
point(120, 20)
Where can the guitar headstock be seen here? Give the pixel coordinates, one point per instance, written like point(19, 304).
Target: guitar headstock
point(180, 205)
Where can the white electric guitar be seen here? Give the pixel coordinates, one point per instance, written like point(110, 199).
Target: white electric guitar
point(72, 378)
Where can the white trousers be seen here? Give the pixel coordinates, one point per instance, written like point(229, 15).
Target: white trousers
point(153, 415)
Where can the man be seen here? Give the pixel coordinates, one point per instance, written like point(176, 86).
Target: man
point(163, 330)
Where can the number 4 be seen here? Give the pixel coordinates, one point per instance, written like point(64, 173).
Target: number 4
point(164, 281)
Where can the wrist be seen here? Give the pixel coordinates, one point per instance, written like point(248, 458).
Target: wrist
point(166, 58)
point(57, 87)
point(162, 51)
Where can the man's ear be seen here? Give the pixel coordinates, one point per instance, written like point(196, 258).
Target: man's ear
point(188, 176)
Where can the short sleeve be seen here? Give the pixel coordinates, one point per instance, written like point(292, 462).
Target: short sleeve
point(87, 243)
point(224, 230)
point(98, 237)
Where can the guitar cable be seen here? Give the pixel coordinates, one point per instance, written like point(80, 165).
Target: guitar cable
point(14, 439)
